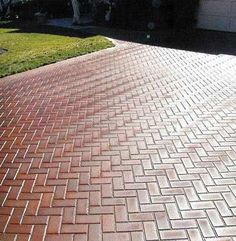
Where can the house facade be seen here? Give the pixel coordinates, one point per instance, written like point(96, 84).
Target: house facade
point(217, 15)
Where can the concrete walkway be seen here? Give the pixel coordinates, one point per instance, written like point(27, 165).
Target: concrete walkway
point(132, 143)
point(85, 23)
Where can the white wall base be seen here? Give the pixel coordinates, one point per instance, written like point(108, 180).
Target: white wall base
point(217, 15)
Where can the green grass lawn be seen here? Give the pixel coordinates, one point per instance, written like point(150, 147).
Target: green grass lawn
point(35, 46)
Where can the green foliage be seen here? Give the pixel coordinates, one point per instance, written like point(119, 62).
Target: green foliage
point(56, 8)
point(30, 50)
point(24, 9)
point(137, 14)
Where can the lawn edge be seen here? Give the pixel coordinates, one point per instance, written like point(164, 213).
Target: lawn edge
point(117, 45)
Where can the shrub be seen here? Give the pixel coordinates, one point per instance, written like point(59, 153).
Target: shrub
point(136, 14)
point(181, 13)
point(24, 10)
point(133, 13)
point(56, 8)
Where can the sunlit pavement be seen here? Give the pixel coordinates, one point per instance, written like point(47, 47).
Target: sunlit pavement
point(132, 143)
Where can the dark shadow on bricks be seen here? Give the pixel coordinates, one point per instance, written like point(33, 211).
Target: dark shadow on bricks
point(197, 40)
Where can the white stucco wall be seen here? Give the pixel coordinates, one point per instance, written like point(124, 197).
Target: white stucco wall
point(217, 15)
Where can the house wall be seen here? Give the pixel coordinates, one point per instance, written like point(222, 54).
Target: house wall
point(217, 15)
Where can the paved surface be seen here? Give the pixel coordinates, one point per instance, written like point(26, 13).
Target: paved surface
point(133, 143)
point(85, 23)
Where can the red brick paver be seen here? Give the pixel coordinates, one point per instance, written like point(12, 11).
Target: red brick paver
point(133, 143)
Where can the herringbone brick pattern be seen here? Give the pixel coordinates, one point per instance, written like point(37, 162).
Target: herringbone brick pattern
point(133, 143)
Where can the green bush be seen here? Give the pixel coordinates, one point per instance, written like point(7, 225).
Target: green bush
point(24, 10)
point(133, 14)
point(57, 8)
point(136, 14)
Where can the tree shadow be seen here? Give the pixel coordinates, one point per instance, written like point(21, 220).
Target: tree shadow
point(32, 27)
point(197, 40)
point(211, 42)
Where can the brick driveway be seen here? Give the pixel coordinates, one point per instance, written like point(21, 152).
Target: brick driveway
point(129, 144)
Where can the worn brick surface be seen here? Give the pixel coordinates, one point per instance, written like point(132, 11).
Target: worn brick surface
point(133, 143)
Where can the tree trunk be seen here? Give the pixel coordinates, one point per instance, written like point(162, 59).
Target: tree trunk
point(76, 10)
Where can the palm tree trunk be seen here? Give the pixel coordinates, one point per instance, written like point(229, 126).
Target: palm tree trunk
point(76, 10)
